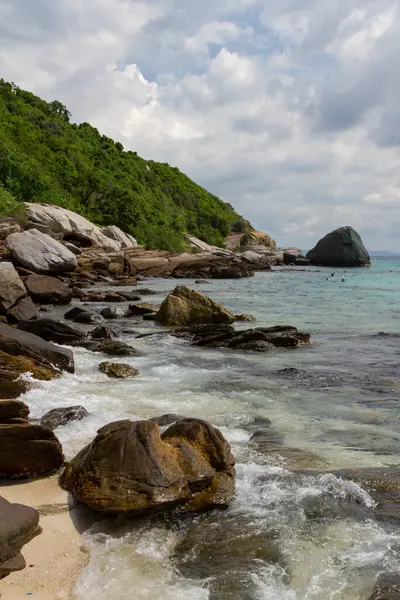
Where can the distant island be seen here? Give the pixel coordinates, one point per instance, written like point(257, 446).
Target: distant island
point(383, 253)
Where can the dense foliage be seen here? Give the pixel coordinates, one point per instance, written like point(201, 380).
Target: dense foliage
point(45, 158)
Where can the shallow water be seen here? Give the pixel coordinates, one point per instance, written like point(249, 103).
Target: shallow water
point(339, 409)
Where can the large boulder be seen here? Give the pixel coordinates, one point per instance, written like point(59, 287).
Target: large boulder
point(14, 302)
point(47, 290)
point(12, 367)
point(52, 331)
point(184, 306)
point(19, 343)
point(342, 247)
point(8, 225)
point(40, 253)
point(130, 468)
point(19, 524)
point(13, 409)
point(76, 229)
point(28, 450)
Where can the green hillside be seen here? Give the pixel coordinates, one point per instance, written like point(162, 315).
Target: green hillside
point(45, 158)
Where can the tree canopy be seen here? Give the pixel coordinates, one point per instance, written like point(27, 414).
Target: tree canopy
point(46, 158)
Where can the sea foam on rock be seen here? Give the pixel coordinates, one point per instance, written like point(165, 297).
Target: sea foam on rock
point(130, 468)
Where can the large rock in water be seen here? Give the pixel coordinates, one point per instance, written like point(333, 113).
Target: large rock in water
point(40, 253)
point(19, 524)
point(52, 331)
point(342, 247)
point(75, 228)
point(184, 306)
point(14, 302)
point(48, 290)
point(18, 343)
point(130, 468)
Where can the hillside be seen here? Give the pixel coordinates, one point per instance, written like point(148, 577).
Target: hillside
point(45, 158)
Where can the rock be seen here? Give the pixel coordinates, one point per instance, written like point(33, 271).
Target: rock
point(146, 292)
point(184, 306)
point(245, 318)
point(110, 312)
point(72, 248)
point(231, 272)
point(113, 297)
point(190, 465)
point(114, 233)
point(61, 416)
point(71, 226)
point(202, 331)
point(28, 451)
point(47, 290)
point(13, 297)
point(101, 333)
point(202, 281)
point(150, 316)
point(126, 281)
point(118, 370)
point(8, 225)
point(142, 309)
point(253, 240)
point(80, 315)
point(130, 296)
point(115, 269)
point(21, 344)
point(40, 253)
point(19, 524)
point(52, 331)
point(167, 419)
point(387, 587)
point(12, 367)
point(111, 347)
point(13, 409)
point(261, 339)
point(12, 388)
point(342, 247)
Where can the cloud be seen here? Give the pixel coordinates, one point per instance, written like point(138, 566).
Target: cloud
point(287, 109)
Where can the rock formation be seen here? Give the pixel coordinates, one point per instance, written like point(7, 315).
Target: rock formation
point(184, 306)
point(40, 253)
point(342, 247)
point(14, 303)
point(130, 468)
point(47, 290)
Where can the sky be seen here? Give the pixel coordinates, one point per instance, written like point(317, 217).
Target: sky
point(287, 109)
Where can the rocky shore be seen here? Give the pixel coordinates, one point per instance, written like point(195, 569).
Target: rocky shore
point(131, 467)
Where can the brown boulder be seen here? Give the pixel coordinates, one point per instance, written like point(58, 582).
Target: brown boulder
point(19, 524)
point(28, 450)
point(130, 468)
point(47, 290)
point(12, 409)
point(118, 370)
point(184, 306)
point(143, 308)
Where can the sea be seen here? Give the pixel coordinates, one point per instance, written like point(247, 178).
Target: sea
point(336, 403)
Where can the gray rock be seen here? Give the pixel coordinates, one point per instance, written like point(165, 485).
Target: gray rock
point(8, 225)
point(110, 312)
point(342, 247)
point(13, 296)
point(124, 239)
point(61, 416)
point(74, 249)
point(80, 315)
point(52, 331)
point(40, 253)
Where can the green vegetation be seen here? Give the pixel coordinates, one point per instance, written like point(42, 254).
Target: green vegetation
point(45, 158)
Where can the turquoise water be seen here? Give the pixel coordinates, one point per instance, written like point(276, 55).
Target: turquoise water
point(340, 408)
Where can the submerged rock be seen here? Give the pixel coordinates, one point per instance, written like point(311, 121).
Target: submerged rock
point(387, 587)
point(61, 416)
point(110, 312)
point(101, 333)
point(110, 347)
point(342, 247)
point(19, 524)
point(118, 370)
point(184, 306)
point(130, 468)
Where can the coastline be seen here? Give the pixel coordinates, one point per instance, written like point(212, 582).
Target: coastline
point(55, 558)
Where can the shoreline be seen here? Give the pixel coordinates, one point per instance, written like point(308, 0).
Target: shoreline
point(55, 558)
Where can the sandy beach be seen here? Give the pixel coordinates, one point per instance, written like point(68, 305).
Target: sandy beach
point(56, 557)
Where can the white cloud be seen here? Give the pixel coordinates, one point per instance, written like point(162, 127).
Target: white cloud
point(287, 109)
